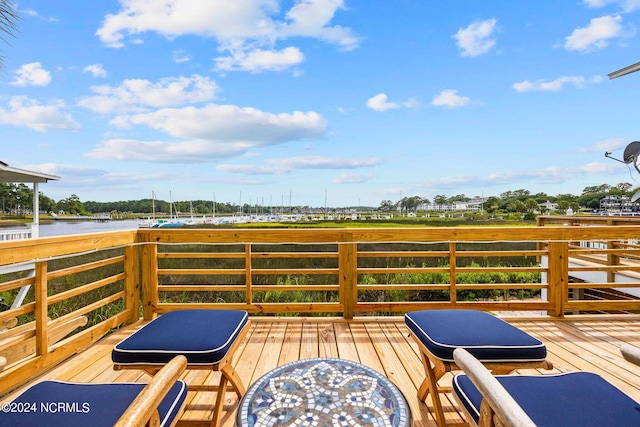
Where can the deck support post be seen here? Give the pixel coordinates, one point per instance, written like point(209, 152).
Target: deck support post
point(149, 280)
point(453, 278)
point(558, 277)
point(348, 266)
point(132, 282)
point(41, 311)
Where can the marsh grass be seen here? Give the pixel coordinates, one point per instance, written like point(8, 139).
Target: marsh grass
point(62, 281)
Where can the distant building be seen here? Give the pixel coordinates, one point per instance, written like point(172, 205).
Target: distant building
point(472, 205)
point(618, 204)
point(548, 206)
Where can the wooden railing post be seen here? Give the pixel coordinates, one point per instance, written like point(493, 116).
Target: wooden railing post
point(539, 244)
point(612, 259)
point(348, 268)
point(149, 279)
point(452, 273)
point(132, 281)
point(248, 264)
point(558, 276)
point(41, 311)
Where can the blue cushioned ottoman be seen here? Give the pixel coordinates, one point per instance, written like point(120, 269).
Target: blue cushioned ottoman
point(487, 337)
point(64, 404)
point(202, 336)
point(573, 399)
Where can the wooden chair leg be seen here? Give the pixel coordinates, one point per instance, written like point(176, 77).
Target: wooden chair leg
point(425, 387)
point(217, 409)
point(431, 370)
point(231, 374)
point(432, 387)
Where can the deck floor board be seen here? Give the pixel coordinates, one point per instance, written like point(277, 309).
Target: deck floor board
point(590, 344)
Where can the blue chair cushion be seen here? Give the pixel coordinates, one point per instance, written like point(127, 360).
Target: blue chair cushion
point(573, 399)
point(64, 404)
point(486, 337)
point(202, 336)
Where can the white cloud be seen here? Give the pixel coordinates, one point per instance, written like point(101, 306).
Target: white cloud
point(67, 169)
point(32, 74)
point(35, 14)
point(30, 113)
point(29, 12)
point(286, 165)
point(96, 70)
point(231, 123)
point(311, 18)
point(555, 85)
point(351, 178)
point(389, 192)
point(476, 39)
point(380, 102)
point(249, 30)
point(173, 18)
point(450, 98)
point(260, 60)
point(598, 169)
point(610, 144)
point(192, 151)
point(75, 177)
point(137, 94)
point(596, 35)
point(627, 5)
point(210, 132)
point(180, 56)
point(549, 175)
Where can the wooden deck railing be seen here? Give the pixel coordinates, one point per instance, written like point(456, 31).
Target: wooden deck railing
point(110, 279)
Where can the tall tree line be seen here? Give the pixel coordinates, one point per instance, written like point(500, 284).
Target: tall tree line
point(521, 200)
point(18, 199)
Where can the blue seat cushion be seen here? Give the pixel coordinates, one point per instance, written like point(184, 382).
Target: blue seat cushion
point(202, 336)
point(573, 399)
point(64, 404)
point(486, 337)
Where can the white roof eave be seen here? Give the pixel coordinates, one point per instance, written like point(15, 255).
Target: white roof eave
point(9, 174)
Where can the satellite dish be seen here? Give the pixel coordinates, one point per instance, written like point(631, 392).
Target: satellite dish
point(631, 153)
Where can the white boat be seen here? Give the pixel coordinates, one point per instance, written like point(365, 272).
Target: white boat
point(161, 223)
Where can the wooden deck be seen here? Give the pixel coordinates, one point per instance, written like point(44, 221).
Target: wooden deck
point(576, 343)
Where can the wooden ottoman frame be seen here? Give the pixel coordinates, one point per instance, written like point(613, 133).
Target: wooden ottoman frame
point(229, 376)
point(436, 367)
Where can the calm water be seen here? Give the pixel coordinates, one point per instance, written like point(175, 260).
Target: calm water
point(61, 228)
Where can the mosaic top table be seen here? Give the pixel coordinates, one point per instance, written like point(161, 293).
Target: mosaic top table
point(323, 392)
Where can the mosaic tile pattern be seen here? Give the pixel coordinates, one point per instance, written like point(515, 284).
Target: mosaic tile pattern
point(323, 392)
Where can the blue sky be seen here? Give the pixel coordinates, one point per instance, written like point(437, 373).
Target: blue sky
point(357, 101)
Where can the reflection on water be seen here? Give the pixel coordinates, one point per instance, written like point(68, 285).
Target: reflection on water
point(61, 228)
